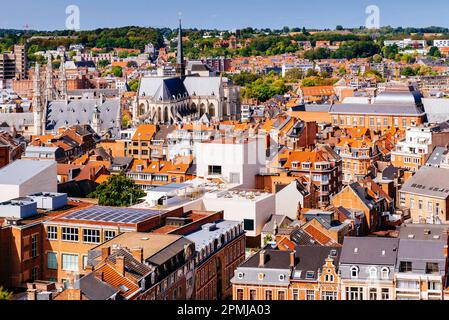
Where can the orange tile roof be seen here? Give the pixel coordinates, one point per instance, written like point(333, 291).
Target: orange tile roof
point(318, 91)
point(112, 277)
point(317, 234)
point(305, 156)
point(102, 178)
point(146, 132)
point(285, 244)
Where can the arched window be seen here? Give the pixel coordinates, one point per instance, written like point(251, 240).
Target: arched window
point(354, 272)
point(373, 273)
point(385, 273)
point(329, 278)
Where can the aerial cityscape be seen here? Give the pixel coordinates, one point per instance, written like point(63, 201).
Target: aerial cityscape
point(194, 161)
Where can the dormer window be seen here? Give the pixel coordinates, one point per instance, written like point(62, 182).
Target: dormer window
point(310, 274)
point(385, 273)
point(306, 165)
point(240, 275)
point(354, 272)
point(373, 273)
point(281, 277)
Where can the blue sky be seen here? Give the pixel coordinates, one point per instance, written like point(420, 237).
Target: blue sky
point(222, 14)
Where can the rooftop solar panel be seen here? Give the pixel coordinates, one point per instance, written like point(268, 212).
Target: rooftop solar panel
point(118, 215)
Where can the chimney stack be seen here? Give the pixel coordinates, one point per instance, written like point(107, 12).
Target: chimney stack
point(262, 259)
point(31, 294)
point(446, 251)
point(292, 259)
point(99, 275)
point(120, 265)
point(74, 294)
point(105, 252)
point(138, 254)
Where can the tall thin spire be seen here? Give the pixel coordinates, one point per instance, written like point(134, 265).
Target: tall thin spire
point(49, 79)
point(37, 86)
point(37, 102)
point(63, 79)
point(180, 66)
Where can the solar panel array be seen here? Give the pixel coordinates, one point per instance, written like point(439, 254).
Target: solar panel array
point(117, 215)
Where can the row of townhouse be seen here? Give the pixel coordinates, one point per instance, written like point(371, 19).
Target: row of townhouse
point(410, 267)
point(47, 238)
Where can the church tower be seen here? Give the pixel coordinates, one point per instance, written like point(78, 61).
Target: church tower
point(38, 109)
point(49, 80)
point(96, 119)
point(63, 80)
point(180, 64)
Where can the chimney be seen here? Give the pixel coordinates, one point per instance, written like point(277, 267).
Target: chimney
point(105, 252)
point(292, 259)
point(138, 254)
point(446, 251)
point(73, 294)
point(31, 294)
point(99, 275)
point(261, 258)
point(120, 265)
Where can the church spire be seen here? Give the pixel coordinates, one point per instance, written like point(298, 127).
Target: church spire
point(180, 66)
point(49, 79)
point(63, 79)
point(37, 102)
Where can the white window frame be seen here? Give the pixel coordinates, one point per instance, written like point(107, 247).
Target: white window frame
point(52, 233)
point(108, 235)
point(354, 270)
point(56, 260)
point(92, 236)
point(372, 272)
point(70, 234)
point(385, 273)
point(73, 267)
point(34, 245)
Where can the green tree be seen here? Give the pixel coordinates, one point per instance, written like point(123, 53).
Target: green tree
point(117, 71)
point(408, 72)
point(103, 63)
point(342, 71)
point(118, 191)
point(377, 58)
point(434, 52)
point(132, 64)
point(4, 294)
point(294, 74)
point(311, 73)
point(134, 84)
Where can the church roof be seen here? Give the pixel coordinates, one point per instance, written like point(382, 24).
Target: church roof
point(160, 88)
point(74, 112)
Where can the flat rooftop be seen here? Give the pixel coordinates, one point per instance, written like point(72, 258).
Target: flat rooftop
point(116, 215)
point(240, 194)
point(151, 243)
point(21, 171)
point(203, 237)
